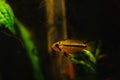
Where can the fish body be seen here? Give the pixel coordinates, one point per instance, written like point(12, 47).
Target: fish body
point(69, 46)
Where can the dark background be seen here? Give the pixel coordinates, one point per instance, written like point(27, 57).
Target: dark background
point(98, 18)
point(91, 19)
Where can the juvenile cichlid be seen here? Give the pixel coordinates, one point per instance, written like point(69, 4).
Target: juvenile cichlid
point(69, 46)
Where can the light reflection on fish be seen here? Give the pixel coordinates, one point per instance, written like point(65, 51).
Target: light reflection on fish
point(69, 47)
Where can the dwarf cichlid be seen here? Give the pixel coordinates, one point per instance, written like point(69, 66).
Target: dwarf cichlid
point(69, 46)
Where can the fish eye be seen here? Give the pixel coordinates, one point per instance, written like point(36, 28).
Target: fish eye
point(56, 45)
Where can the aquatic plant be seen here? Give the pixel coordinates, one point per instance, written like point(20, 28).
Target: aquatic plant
point(7, 20)
point(6, 17)
point(31, 49)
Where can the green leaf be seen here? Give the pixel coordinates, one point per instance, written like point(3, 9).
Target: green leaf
point(90, 55)
point(6, 17)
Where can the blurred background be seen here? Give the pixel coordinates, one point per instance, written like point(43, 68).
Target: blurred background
point(49, 21)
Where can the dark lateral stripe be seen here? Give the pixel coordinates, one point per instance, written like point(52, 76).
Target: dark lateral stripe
point(74, 45)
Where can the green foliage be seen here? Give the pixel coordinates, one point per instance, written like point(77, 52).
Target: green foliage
point(6, 16)
point(90, 55)
point(86, 59)
point(98, 49)
point(32, 51)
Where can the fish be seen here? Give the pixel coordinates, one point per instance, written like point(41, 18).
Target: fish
point(68, 47)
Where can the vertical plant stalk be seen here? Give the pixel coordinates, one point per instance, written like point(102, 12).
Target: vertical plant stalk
point(56, 21)
point(64, 21)
point(57, 30)
point(50, 22)
point(31, 50)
